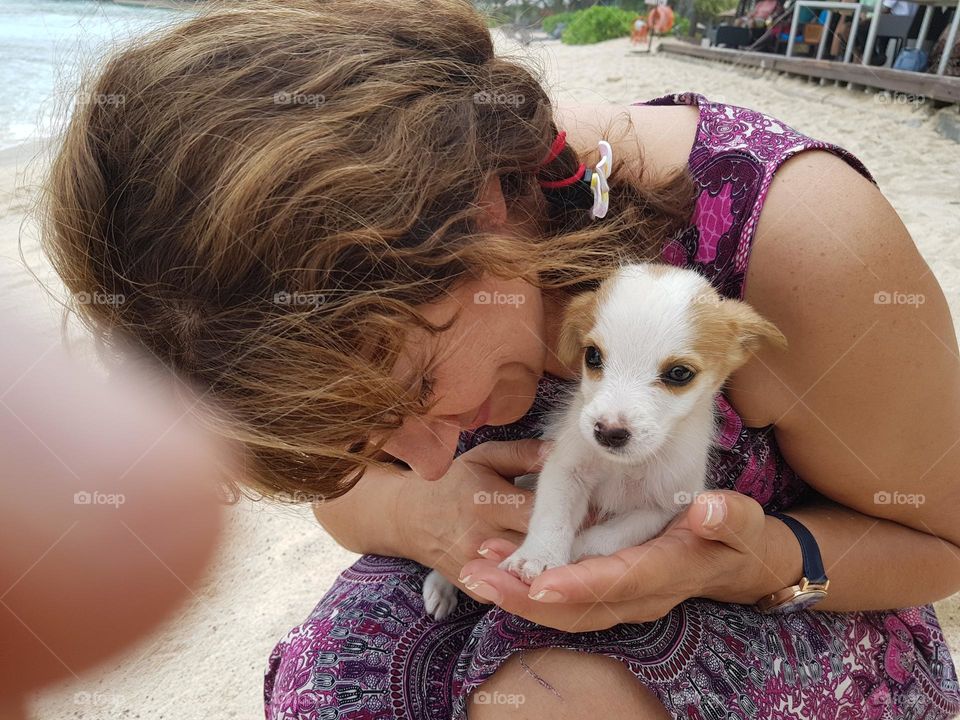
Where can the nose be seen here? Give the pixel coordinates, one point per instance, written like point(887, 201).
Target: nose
point(612, 436)
point(426, 445)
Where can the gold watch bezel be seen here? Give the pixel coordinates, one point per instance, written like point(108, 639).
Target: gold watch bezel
point(800, 596)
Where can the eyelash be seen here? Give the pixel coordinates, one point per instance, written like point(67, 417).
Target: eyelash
point(427, 388)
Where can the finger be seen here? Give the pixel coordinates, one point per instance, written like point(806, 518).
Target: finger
point(624, 576)
point(484, 578)
point(496, 549)
point(509, 458)
point(726, 516)
point(509, 509)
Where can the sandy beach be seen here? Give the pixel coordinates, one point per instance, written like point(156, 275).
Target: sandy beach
point(275, 563)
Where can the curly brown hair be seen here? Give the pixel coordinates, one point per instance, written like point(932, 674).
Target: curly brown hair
point(286, 181)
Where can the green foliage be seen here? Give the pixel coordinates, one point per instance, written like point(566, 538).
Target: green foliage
point(597, 23)
point(681, 26)
point(496, 18)
point(550, 22)
point(711, 8)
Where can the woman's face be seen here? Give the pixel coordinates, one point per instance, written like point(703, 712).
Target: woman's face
point(486, 372)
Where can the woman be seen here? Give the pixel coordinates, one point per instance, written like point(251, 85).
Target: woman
point(331, 216)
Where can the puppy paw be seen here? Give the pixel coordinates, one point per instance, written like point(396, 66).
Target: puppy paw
point(528, 562)
point(439, 596)
point(594, 541)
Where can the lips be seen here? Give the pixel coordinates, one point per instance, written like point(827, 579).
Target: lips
point(483, 414)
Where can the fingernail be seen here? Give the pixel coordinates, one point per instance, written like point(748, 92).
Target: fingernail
point(464, 580)
point(547, 596)
point(716, 512)
point(483, 550)
point(487, 592)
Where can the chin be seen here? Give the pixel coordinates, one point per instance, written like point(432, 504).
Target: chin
point(513, 399)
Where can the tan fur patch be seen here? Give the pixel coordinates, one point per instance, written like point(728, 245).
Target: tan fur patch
point(693, 363)
point(579, 318)
point(728, 331)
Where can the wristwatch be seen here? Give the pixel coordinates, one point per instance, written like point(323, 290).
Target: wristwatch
point(812, 587)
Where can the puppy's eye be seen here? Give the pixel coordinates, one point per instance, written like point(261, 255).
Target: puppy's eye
point(678, 375)
point(592, 357)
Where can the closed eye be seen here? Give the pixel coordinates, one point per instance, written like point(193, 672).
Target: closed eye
point(427, 389)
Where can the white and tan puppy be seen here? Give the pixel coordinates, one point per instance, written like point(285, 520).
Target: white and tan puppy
point(655, 344)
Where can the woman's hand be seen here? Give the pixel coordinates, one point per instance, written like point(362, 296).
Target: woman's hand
point(713, 549)
point(444, 522)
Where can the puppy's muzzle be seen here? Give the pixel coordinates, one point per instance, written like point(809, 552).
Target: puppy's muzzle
point(610, 436)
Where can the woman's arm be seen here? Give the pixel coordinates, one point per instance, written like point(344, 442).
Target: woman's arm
point(441, 523)
point(366, 519)
point(872, 564)
point(865, 406)
point(866, 403)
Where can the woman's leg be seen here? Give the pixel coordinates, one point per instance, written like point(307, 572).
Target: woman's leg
point(584, 685)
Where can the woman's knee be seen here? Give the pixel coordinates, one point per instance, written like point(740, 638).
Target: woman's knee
point(579, 685)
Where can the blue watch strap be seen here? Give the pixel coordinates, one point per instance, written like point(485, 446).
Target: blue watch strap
point(812, 563)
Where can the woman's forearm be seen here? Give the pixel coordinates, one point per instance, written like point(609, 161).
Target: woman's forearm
point(872, 564)
point(367, 518)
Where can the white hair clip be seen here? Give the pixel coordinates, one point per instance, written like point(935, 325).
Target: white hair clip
point(585, 188)
point(598, 181)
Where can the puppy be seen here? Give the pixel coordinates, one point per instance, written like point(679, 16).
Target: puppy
point(655, 344)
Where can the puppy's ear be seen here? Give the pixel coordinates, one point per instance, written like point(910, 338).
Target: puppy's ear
point(751, 329)
point(578, 320)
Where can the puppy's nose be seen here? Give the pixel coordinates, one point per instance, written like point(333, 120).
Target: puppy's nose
point(610, 435)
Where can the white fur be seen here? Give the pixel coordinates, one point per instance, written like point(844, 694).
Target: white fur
point(644, 317)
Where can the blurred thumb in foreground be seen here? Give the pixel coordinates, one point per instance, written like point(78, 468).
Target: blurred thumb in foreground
point(110, 510)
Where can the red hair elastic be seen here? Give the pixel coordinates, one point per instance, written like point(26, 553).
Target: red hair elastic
point(587, 188)
point(558, 144)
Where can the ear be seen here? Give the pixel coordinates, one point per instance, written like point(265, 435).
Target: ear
point(495, 207)
point(578, 319)
point(751, 329)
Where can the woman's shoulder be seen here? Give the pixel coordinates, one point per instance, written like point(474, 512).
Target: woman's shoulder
point(825, 238)
point(737, 154)
point(659, 137)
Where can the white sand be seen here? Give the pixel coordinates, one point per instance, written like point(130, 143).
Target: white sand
point(275, 564)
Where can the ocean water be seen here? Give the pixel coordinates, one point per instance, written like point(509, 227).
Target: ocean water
point(46, 45)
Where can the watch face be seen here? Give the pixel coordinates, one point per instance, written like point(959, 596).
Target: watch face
point(800, 601)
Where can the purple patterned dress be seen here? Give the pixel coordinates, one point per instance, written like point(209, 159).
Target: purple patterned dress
point(369, 651)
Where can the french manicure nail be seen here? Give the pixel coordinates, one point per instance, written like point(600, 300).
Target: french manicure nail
point(464, 580)
point(716, 511)
point(483, 550)
point(487, 592)
point(547, 596)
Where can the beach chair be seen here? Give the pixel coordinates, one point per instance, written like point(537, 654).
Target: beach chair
point(733, 37)
point(896, 28)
